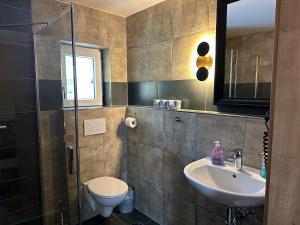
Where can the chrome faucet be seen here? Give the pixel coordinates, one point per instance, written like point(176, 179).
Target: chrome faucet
point(238, 159)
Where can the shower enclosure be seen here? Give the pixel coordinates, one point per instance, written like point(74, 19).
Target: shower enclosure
point(39, 161)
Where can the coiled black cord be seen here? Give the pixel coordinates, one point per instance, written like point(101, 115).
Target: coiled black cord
point(266, 139)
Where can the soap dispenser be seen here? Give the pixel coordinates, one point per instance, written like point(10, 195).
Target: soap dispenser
point(217, 154)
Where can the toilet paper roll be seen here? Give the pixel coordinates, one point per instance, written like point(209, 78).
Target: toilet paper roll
point(130, 122)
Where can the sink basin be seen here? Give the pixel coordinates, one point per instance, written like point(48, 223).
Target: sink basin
point(225, 185)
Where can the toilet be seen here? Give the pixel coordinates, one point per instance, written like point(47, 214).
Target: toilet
point(103, 194)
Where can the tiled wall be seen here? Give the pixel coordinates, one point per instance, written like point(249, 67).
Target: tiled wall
point(159, 148)
point(92, 27)
point(162, 46)
point(166, 35)
point(19, 152)
point(104, 154)
point(101, 154)
point(162, 43)
point(109, 32)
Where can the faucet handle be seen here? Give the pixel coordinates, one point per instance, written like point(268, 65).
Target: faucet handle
point(237, 152)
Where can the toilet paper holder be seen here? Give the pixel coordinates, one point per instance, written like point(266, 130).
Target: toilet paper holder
point(129, 114)
point(130, 120)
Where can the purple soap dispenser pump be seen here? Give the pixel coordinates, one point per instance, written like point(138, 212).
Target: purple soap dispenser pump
point(217, 154)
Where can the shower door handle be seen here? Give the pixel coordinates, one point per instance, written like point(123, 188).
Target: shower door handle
point(3, 127)
point(70, 151)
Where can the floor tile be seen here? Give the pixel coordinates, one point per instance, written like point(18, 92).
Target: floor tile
point(115, 221)
point(99, 220)
point(133, 217)
point(152, 223)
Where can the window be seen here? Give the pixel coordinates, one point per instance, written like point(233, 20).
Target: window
point(89, 77)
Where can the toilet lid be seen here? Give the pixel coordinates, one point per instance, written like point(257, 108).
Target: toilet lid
point(107, 187)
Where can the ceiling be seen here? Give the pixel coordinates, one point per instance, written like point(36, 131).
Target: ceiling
point(246, 16)
point(250, 16)
point(119, 7)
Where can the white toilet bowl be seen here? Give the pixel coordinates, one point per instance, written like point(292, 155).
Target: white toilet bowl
point(105, 193)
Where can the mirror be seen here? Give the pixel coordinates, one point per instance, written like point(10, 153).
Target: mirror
point(245, 46)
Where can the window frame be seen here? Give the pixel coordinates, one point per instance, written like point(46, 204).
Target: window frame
point(82, 51)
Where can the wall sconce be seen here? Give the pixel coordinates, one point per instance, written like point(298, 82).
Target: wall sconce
point(204, 61)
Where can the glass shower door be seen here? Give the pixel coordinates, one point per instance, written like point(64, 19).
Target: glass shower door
point(58, 139)
point(38, 157)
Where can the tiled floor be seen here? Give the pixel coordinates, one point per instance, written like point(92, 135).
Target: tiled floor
point(134, 218)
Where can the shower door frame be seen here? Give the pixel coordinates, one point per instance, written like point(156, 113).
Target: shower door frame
point(76, 103)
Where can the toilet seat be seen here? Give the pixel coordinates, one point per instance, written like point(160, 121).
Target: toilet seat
point(107, 187)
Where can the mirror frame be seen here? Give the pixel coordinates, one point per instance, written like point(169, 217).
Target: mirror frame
point(220, 63)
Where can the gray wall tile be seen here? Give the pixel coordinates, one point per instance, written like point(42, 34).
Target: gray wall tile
point(254, 142)
point(94, 23)
point(174, 180)
point(159, 23)
point(151, 131)
point(136, 64)
point(177, 211)
point(190, 16)
point(183, 142)
point(114, 158)
point(133, 157)
point(180, 137)
point(52, 130)
point(132, 180)
point(204, 217)
point(158, 61)
point(229, 130)
point(150, 160)
point(136, 29)
point(150, 200)
point(117, 32)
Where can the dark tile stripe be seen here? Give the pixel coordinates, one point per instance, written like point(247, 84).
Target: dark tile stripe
point(36, 221)
point(142, 93)
point(12, 15)
point(21, 129)
point(16, 61)
point(119, 93)
point(26, 188)
point(191, 92)
point(17, 37)
point(115, 93)
point(19, 169)
point(50, 95)
point(19, 4)
point(107, 94)
point(23, 215)
point(14, 162)
point(17, 95)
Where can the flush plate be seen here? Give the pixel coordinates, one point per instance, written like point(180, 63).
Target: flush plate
point(94, 126)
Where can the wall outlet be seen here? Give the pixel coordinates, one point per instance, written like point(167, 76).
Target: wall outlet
point(95, 126)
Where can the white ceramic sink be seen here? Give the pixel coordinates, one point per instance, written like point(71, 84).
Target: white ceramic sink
point(225, 185)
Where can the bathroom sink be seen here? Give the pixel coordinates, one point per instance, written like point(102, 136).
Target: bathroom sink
point(225, 185)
